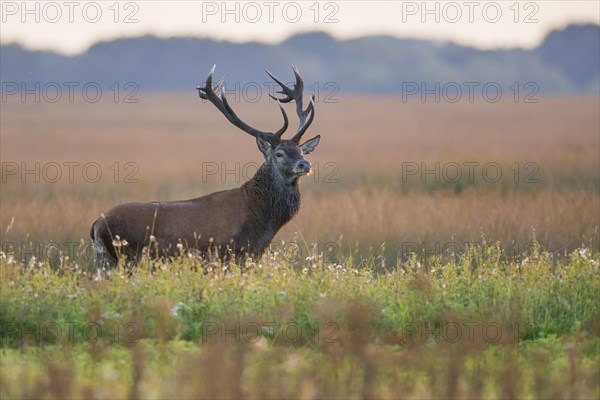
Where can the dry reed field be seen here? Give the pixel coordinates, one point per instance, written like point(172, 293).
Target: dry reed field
point(441, 251)
point(412, 176)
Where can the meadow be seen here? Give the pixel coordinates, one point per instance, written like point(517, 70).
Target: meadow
point(441, 251)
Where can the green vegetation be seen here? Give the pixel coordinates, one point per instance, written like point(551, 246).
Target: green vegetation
point(472, 325)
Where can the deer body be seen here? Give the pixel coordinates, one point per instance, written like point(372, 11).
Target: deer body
point(229, 223)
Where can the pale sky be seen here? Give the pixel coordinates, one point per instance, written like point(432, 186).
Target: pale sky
point(71, 26)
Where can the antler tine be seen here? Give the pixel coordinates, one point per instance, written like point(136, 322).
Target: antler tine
point(217, 87)
point(281, 130)
point(208, 93)
point(289, 93)
point(220, 102)
point(296, 94)
point(299, 90)
point(304, 124)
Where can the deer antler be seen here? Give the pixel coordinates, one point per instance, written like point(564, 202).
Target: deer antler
point(296, 94)
point(217, 97)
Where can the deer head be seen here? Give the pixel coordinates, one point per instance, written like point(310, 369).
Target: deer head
point(285, 156)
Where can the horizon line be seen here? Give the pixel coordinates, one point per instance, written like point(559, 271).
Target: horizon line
point(335, 37)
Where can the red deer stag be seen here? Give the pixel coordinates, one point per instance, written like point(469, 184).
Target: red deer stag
point(233, 222)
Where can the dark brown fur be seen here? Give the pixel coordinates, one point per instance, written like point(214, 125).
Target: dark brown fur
point(236, 221)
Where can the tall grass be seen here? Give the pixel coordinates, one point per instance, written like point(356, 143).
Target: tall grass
point(474, 326)
point(387, 284)
point(361, 189)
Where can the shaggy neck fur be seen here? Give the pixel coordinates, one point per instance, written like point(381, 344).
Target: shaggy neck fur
point(275, 200)
point(274, 195)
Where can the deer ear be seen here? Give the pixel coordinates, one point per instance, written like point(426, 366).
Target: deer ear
point(308, 146)
point(264, 146)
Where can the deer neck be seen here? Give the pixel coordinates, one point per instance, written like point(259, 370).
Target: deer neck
point(275, 200)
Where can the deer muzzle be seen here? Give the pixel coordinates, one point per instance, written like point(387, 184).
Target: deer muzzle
point(302, 167)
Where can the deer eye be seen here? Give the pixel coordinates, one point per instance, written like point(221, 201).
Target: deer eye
point(279, 154)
